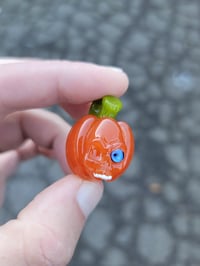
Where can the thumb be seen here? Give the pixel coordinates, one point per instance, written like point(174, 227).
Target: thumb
point(47, 230)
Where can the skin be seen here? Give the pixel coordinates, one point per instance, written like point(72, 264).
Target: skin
point(43, 235)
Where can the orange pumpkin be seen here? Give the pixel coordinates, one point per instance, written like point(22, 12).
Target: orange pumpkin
point(99, 148)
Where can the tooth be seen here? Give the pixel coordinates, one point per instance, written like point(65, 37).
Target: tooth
point(104, 177)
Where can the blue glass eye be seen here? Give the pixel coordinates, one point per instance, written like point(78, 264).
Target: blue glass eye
point(117, 156)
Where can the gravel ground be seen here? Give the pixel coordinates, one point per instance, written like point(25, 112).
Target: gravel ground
point(151, 216)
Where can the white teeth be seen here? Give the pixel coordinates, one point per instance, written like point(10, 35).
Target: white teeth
point(104, 177)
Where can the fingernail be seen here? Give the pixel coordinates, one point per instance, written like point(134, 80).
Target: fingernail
point(88, 196)
point(117, 69)
point(7, 60)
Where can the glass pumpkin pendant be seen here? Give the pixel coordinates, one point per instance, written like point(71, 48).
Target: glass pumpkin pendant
point(98, 147)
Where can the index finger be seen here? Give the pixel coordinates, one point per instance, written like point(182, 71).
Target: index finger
point(37, 83)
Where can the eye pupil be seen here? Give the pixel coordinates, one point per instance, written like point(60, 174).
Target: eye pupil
point(117, 156)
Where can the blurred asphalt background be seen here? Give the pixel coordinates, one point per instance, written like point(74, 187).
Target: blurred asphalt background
point(151, 216)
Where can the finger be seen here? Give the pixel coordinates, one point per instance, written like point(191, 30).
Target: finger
point(47, 230)
point(47, 130)
point(8, 163)
point(27, 150)
point(76, 110)
point(32, 84)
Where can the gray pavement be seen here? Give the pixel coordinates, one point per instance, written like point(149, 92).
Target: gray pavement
point(151, 216)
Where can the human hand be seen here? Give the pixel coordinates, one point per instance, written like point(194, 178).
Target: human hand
point(47, 230)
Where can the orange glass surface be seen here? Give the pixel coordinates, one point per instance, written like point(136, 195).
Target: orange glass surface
point(99, 148)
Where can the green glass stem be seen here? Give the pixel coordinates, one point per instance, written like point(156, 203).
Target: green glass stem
point(108, 106)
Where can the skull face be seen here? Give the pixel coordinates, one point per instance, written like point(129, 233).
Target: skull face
point(99, 148)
